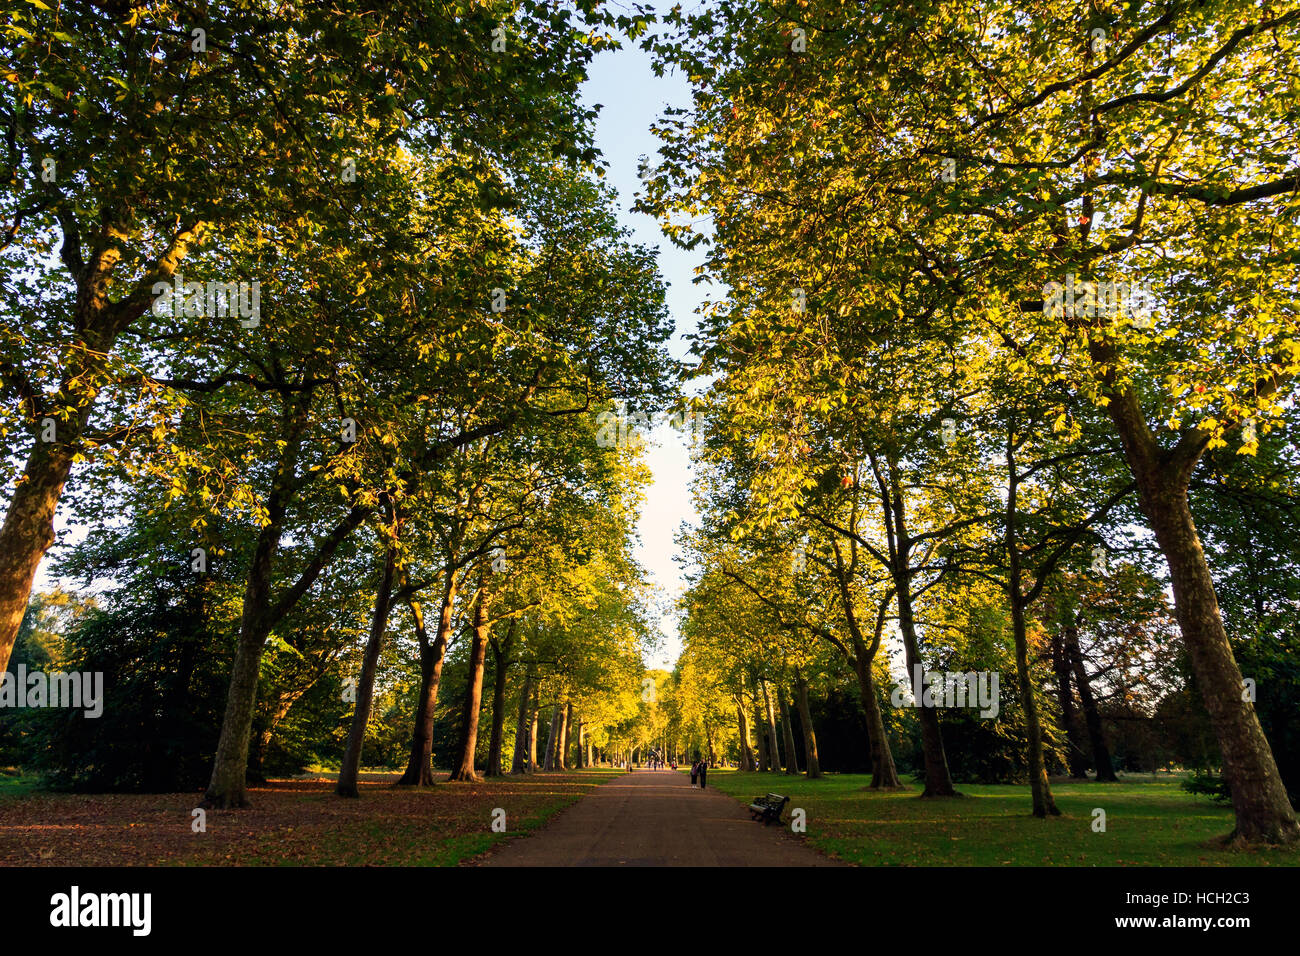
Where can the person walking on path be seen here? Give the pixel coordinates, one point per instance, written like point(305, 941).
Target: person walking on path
point(699, 769)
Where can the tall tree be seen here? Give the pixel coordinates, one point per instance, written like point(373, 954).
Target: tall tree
point(988, 164)
point(104, 210)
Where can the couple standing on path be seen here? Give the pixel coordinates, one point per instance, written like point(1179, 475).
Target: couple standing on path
point(699, 769)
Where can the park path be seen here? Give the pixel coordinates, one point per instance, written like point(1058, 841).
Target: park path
point(655, 818)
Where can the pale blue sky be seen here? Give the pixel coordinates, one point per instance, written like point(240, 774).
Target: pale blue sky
point(633, 97)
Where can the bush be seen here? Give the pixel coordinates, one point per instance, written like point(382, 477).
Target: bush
point(1208, 784)
point(165, 675)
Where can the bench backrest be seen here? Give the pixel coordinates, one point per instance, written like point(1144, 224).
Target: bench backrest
point(775, 799)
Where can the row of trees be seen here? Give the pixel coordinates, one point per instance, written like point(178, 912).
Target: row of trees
point(308, 319)
point(1000, 279)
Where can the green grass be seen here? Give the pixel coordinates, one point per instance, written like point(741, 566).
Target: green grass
point(1148, 823)
point(17, 786)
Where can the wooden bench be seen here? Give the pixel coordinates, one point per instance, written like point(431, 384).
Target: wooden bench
point(768, 808)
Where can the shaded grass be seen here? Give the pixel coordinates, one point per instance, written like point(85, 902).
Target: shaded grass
point(1148, 823)
point(15, 785)
point(290, 823)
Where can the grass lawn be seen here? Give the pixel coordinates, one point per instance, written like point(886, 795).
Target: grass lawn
point(290, 823)
point(1148, 823)
point(13, 784)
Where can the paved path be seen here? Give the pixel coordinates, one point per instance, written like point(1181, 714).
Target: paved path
point(655, 818)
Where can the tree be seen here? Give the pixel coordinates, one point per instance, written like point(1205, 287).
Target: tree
point(974, 176)
point(106, 200)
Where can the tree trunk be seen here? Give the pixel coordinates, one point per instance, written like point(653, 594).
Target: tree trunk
point(791, 757)
point(227, 789)
point(263, 733)
point(552, 739)
point(1092, 719)
point(562, 745)
point(500, 663)
point(347, 785)
point(746, 754)
point(1076, 760)
point(28, 529)
point(884, 773)
point(774, 754)
point(1263, 812)
point(760, 731)
point(464, 769)
point(533, 727)
point(1040, 787)
point(519, 763)
point(805, 722)
point(579, 756)
point(419, 767)
point(938, 780)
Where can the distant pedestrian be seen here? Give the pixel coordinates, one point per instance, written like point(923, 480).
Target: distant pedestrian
point(704, 772)
point(695, 772)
